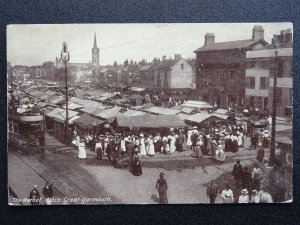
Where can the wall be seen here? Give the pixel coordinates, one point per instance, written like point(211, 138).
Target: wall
point(257, 73)
point(181, 78)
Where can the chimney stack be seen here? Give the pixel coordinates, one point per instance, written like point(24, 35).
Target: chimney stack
point(126, 63)
point(209, 38)
point(177, 56)
point(257, 33)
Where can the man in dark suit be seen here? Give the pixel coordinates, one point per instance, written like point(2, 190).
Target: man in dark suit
point(48, 193)
point(34, 196)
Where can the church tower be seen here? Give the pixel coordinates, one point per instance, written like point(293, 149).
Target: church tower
point(95, 54)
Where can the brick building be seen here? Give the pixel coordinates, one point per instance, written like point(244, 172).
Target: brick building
point(220, 68)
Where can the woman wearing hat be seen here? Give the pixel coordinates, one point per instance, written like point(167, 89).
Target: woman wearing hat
point(162, 187)
point(81, 148)
point(142, 145)
point(189, 139)
point(255, 197)
point(150, 149)
point(227, 195)
point(198, 146)
point(136, 163)
point(244, 197)
point(172, 139)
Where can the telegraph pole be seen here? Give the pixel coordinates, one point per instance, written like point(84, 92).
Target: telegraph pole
point(273, 133)
point(65, 56)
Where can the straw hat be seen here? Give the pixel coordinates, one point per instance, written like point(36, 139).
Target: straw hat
point(141, 135)
point(162, 174)
point(244, 191)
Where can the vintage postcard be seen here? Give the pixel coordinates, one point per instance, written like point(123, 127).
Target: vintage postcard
point(149, 113)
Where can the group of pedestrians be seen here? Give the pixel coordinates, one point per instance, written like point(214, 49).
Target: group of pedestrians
point(35, 197)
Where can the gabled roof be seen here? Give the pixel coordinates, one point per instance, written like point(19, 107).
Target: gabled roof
point(59, 114)
point(134, 96)
point(132, 112)
point(229, 45)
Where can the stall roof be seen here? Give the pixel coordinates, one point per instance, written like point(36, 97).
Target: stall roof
point(137, 89)
point(151, 121)
point(47, 109)
point(92, 110)
point(36, 93)
point(87, 122)
point(148, 105)
point(186, 110)
point(60, 114)
point(178, 107)
point(199, 117)
point(58, 100)
point(183, 116)
point(109, 113)
point(132, 112)
point(161, 110)
point(73, 105)
point(197, 104)
point(134, 96)
point(221, 116)
point(221, 111)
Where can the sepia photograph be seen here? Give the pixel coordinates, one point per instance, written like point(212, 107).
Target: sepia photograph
point(149, 113)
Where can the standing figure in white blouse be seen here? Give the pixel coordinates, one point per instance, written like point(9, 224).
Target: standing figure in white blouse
point(142, 145)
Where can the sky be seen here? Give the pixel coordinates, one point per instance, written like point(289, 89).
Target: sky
point(34, 44)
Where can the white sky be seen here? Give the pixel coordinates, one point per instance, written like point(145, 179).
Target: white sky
point(35, 44)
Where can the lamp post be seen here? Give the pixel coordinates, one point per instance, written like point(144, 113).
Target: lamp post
point(273, 133)
point(65, 57)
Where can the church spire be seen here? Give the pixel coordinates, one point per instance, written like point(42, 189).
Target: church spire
point(95, 41)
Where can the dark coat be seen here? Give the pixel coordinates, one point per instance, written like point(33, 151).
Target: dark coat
point(237, 171)
point(48, 192)
point(34, 196)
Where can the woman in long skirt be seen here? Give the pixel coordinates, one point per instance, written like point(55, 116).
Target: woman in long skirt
point(172, 142)
point(198, 146)
point(82, 151)
point(165, 146)
point(136, 163)
point(150, 151)
point(142, 145)
point(189, 139)
point(147, 144)
point(162, 187)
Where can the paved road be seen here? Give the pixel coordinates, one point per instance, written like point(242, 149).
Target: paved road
point(187, 177)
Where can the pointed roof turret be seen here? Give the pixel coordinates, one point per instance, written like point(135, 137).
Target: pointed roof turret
point(95, 41)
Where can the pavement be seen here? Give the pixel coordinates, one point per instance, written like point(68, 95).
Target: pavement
point(96, 182)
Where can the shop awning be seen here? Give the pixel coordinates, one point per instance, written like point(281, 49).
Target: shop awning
point(87, 122)
point(151, 121)
point(137, 89)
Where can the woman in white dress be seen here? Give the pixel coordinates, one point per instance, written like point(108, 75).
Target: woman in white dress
point(122, 145)
point(151, 150)
point(240, 138)
point(165, 145)
point(189, 139)
point(142, 146)
point(147, 144)
point(172, 142)
point(82, 151)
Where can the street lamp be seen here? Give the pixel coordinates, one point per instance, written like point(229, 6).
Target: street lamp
point(65, 57)
point(273, 133)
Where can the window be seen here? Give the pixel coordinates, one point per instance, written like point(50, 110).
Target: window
point(278, 95)
point(262, 83)
point(250, 82)
point(252, 101)
point(182, 66)
point(280, 69)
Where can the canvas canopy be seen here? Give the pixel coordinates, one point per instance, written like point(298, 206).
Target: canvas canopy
point(151, 121)
point(59, 114)
point(134, 113)
point(109, 113)
point(197, 104)
point(161, 110)
point(87, 122)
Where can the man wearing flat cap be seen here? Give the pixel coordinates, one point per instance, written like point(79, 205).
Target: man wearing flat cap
point(34, 196)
